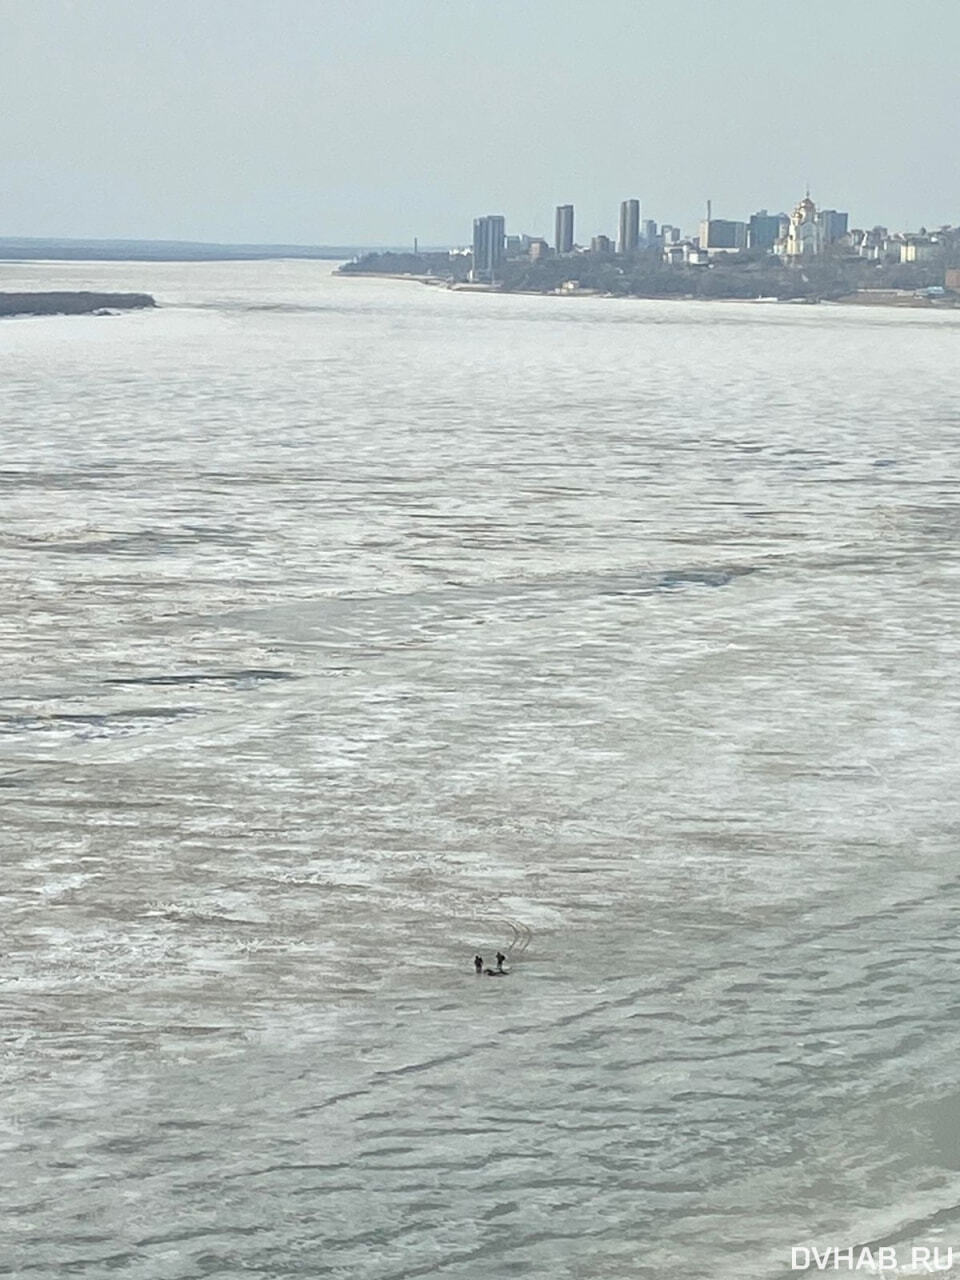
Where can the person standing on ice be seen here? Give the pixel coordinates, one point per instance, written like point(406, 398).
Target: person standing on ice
point(478, 963)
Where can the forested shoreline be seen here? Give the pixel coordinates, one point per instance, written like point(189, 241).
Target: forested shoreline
point(645, 275)
point(71, 304)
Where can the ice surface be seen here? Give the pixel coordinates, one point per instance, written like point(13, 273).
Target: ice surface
point(352, 628)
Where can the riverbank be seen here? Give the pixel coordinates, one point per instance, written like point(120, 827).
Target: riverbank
point(903, 298)
point(71, 304)
point(833, 277)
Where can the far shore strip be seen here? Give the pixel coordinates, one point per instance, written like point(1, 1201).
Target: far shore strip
point(71, 304)
point(862, 298)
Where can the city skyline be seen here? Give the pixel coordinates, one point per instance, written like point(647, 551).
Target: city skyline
point(762, 229)
point(819, 238)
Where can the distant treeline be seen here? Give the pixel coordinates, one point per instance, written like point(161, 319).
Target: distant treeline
point(454, 267)
point(18, 249)
point(70, 304)
point(735, 276)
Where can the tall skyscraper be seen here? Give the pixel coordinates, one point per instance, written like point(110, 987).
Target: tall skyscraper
point(564, 228)
point(834, 225)
point(629, 237)
point(763, 230)
point(489, 234)
point(649, 232)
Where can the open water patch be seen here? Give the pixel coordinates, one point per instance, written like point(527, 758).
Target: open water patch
point(93, 724)
point(240, 678)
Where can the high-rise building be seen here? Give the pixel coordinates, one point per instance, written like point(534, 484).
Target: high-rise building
point(764, 229)
point(833, 225)
point(668, 234)
point(489, 235)
point(629, 237)
point(720, 233)
point(601, 244)
point(649, 229)
point(564, 228)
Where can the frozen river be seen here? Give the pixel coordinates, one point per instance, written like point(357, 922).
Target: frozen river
point(350, 628)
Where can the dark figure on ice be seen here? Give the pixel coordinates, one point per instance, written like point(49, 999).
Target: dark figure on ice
point(478, 963)
point(500, 959)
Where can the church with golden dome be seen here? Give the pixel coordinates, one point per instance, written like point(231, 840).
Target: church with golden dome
point(805, 233)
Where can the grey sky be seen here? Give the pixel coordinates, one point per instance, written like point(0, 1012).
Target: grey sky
point(322, 121)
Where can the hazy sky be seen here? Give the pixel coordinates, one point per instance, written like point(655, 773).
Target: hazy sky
point(374, 121)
